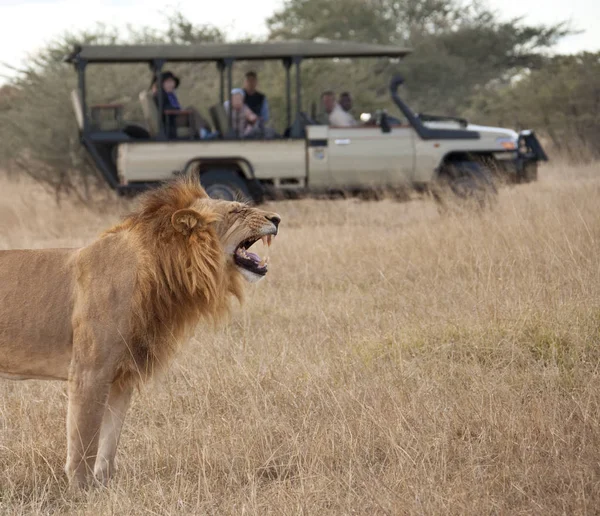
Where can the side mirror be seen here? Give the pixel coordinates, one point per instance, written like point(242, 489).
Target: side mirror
point(385, 123)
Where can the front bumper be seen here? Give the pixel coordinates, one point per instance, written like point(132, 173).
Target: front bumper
point(530, 147)
point(529, 152)
point(521, 166)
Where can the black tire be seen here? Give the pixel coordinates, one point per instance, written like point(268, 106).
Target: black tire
point(470, 181)
point(529, 173)
point(225, 184)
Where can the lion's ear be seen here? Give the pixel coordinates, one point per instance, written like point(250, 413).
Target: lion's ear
point(185, 221)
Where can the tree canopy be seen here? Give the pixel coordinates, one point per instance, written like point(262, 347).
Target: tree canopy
point(457, 48)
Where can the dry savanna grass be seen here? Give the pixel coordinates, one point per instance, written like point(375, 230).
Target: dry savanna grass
point(396, 360)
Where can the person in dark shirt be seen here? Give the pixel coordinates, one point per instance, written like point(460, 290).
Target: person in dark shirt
point(254, 99)
point(170, 102)
point(170, 82)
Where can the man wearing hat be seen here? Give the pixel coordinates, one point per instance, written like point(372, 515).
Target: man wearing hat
point(169, 82)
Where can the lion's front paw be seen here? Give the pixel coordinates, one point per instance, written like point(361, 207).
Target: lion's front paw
point(104, 471)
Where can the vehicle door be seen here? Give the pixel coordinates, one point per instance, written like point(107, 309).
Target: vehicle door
point(364, 156)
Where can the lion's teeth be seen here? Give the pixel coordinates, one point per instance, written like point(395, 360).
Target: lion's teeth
point(269, 237)
point(264, 240)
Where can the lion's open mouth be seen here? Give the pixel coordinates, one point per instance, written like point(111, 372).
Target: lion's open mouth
point(251, 261)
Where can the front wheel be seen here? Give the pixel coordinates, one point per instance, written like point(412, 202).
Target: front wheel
point(469, 181)
point(529, 173)
point(225, 184)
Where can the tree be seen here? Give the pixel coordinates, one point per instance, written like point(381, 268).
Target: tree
point(562, 98)
point(457, 49)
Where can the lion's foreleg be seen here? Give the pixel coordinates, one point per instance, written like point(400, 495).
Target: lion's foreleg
point(88, 394)
point(112, 424)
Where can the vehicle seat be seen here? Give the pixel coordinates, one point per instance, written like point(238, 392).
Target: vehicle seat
point(98, 121)
point(220, 119)
point(151, 117)
point(77, 107)
point(150, 112)
point(298, 128)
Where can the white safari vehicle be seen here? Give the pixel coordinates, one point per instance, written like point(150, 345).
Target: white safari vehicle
point(383, 151)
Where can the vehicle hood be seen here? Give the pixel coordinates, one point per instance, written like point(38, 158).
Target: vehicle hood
point(499, 132)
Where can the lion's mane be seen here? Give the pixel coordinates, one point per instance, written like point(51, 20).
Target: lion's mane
point(181, 279)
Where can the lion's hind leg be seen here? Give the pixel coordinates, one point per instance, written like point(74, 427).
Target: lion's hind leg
point(114, 416)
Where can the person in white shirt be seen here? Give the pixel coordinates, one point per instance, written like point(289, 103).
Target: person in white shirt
point(243, 118)
point(334, 113)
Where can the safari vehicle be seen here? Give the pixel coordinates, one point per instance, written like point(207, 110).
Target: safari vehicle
point(382, 152)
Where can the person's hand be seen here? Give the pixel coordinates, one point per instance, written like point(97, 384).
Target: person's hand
point(251, 117)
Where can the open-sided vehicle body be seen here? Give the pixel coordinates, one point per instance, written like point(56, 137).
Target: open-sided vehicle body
point(415, 150)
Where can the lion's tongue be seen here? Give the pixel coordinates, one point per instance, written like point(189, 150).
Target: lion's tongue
point(253, 256)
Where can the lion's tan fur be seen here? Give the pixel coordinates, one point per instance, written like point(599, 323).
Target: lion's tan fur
point(107, 316)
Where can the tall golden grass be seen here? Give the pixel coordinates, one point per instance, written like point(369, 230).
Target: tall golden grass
point(396, 360)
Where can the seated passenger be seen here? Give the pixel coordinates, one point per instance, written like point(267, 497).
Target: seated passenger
point(346, 101)
point(333, 114)
point(170, 102)
point(254, 99)
point(245, 122)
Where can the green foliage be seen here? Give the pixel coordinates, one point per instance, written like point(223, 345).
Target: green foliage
point(562, 98)
point(457, 48)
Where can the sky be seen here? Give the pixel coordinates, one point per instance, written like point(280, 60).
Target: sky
point(27, 25)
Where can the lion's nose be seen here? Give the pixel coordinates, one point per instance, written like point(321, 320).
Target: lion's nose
point(275, 219)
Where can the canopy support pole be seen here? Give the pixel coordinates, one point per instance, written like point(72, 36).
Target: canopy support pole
point(156, 66)
point(287, 63)
point(81, 64)
point(297, 60)
point(229, 65)
point(221, 68)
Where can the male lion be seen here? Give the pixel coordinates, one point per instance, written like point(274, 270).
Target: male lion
point(106, 316)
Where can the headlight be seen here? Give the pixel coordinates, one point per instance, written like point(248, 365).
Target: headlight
point(507, 143)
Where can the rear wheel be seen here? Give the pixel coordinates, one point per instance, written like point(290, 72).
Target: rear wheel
point(225, 184)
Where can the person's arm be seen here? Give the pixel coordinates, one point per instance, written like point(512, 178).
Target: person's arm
point(250, 115)
point(264, 111)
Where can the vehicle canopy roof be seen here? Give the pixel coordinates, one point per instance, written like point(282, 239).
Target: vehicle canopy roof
point(235, 51)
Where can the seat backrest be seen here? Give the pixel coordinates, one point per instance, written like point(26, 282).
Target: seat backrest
point(220, 119)
point(150, 112)
point(298, 128)
point(77, 107)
